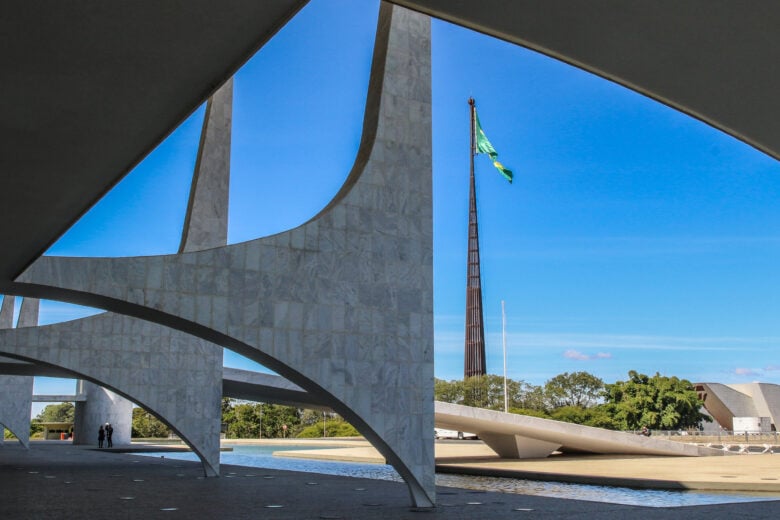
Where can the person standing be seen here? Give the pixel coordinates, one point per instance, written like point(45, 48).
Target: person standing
point(101, 436)
point(109, 435)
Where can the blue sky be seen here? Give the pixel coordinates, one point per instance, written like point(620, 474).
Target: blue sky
point(633, 238)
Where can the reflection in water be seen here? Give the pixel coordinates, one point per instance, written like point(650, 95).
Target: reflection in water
point(261, 457)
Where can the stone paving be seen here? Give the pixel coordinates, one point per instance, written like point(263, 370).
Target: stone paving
point(59, 480)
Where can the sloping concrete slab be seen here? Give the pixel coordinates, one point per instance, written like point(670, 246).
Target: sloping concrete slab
point(568, 435)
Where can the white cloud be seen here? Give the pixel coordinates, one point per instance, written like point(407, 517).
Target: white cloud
point(747, 372)
point(576, 354)
point(449, 340)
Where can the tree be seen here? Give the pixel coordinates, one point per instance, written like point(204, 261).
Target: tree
point(243, 421)
point(597, 416)
point(448, 391)
point(276, 417)
point(146, 425)
point(334, 427)
point(250, 420)
point(486, 392)
point(657, 402)
point(579, 389)
point(62, 412)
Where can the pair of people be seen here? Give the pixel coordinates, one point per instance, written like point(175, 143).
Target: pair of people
point(105, 434)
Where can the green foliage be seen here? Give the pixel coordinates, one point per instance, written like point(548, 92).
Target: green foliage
point(243, 421)
point(579, 389)
point(249, 420)
point(146, 425)
point(597, 416)
point(486, 392)
point(36, 429)
point(7, 434)
point(63, 412)
point(275, 417)
point(658, 402)
point(333, 428)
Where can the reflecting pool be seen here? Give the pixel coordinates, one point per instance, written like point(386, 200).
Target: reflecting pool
point(262, 457)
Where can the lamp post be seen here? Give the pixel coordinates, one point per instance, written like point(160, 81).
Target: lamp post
point(503, 339)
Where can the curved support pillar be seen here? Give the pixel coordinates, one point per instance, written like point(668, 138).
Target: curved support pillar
point(342, 305)
point(16, 391)
point(206, 219)
point(15, 406)
point(173, 375)
point(518, 447)
point(102, 406)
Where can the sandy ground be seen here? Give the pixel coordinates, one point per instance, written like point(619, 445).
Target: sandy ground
point(733, 473)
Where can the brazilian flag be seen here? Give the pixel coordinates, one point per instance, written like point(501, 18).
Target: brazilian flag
point(484, 146)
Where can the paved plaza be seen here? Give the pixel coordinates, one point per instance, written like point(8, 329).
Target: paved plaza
point(59, 480)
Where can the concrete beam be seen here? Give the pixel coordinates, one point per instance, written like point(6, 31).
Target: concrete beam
point(267, 388)
point(53, 398)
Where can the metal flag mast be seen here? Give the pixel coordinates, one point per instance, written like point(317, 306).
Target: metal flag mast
point(475, 330)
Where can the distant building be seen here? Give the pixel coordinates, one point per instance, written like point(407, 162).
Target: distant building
point(727, 402)
point(53, 431)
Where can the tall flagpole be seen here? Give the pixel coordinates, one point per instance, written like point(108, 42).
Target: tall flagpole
point(475, 330)
point(503, 341)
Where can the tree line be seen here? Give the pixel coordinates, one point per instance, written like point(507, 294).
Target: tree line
point(656, 402)
point(253, 420)
point(240, 420)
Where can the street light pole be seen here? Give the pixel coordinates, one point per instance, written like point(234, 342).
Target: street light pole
point(503, 338)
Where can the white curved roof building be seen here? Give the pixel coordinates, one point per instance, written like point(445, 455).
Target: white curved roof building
point(725, 402)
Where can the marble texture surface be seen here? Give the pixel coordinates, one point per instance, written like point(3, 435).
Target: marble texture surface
point(166, 371)
point(342, 305)
point(206, 220)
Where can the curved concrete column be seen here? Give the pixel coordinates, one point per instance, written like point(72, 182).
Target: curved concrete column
point(176, 377)
point(102, 406)
point(205, 226)
point(206, 219)
point(16, 391)
point(342, 305)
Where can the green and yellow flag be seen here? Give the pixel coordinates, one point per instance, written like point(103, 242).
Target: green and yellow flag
point(484, 146)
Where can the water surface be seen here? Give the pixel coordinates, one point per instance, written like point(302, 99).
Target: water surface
point(262, 457)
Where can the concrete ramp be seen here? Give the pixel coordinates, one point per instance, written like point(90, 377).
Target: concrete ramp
point(522, 436)
point(509, 435)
